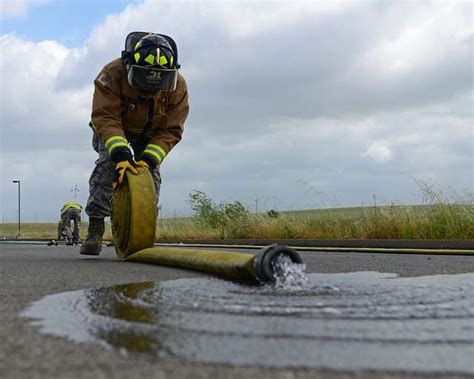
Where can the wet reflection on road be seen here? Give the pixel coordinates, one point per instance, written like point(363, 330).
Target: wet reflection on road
point(364, 320)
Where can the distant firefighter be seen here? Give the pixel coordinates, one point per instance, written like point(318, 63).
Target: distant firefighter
point(70, 212)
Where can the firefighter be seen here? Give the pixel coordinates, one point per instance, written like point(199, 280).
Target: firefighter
point(71, 211)
point(139, 108)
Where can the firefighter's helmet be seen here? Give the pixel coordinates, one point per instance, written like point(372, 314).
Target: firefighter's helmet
point(152, 50)
point(151, 61)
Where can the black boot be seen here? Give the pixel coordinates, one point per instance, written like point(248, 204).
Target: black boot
point(93, 243)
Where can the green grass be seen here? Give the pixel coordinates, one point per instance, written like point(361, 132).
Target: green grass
point(181, 227)
point(40, 230)
point(442, 217)
point(319, 214)
point(433, 221)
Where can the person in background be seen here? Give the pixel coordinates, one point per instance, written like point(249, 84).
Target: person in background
point(71, 211)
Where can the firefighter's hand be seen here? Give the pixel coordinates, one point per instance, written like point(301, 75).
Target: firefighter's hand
point(123, 159)
point(147, 161)
point(120, 169)
point(142, 164)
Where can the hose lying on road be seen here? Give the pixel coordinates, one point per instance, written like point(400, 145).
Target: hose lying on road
point(231, 265)
point(133, 227)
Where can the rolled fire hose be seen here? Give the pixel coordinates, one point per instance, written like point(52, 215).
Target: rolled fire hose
point(134, 217)
point(134, 214)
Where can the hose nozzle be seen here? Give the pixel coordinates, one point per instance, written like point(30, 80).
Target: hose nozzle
point(263, 266)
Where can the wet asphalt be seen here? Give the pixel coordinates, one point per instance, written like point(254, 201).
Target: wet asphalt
point(29, 272)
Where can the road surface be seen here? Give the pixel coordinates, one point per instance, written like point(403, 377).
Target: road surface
point(29, 272)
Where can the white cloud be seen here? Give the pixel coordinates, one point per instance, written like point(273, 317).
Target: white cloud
point(44, 130)
point(426, 36)
point(32, 105)
point(379, 151)
point(254, 18)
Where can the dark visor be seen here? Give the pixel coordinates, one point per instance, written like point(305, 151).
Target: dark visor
point(152, 78)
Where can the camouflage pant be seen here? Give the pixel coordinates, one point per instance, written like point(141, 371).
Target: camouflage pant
point(100, 182)
point(74, 215)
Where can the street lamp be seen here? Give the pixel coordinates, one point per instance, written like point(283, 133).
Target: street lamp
point(75, 190)
point(19, 208)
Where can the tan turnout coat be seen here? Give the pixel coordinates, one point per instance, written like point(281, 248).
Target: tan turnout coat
point(118, 110)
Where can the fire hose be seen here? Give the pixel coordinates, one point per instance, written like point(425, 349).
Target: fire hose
point(134, 215)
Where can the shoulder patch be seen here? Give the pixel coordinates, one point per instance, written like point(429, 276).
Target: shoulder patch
point(104, 79)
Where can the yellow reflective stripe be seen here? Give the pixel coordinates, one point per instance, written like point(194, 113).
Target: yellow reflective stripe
point(154, 154)
point(116, 141)
point(157, 148)
point(150, 59)
point(157, 151)
point(137, 57)
point(71, 205)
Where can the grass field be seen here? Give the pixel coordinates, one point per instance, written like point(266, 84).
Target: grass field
point(438, 221)
point(435, 221)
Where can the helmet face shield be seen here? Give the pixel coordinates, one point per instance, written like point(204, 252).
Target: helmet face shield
point(152, 78)
point(151, 61)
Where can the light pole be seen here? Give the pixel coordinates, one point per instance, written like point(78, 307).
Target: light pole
point(19, 207)
point(75, 190)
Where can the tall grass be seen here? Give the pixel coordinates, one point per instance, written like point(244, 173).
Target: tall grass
point(442, 216)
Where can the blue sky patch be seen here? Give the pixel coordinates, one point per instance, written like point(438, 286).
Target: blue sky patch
point(67, 21)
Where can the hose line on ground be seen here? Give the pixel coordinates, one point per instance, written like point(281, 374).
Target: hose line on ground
point(134, 217)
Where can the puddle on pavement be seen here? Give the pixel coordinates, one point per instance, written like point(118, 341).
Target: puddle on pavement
point(362, 320)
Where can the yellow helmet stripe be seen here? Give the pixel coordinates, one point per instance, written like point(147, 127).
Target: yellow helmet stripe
point(163, 60)
point(137, 57)
point(150, 59)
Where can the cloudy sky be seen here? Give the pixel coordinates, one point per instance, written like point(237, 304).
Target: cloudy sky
point(294, 105)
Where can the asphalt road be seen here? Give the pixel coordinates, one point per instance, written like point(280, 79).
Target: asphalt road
point(29, 272)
